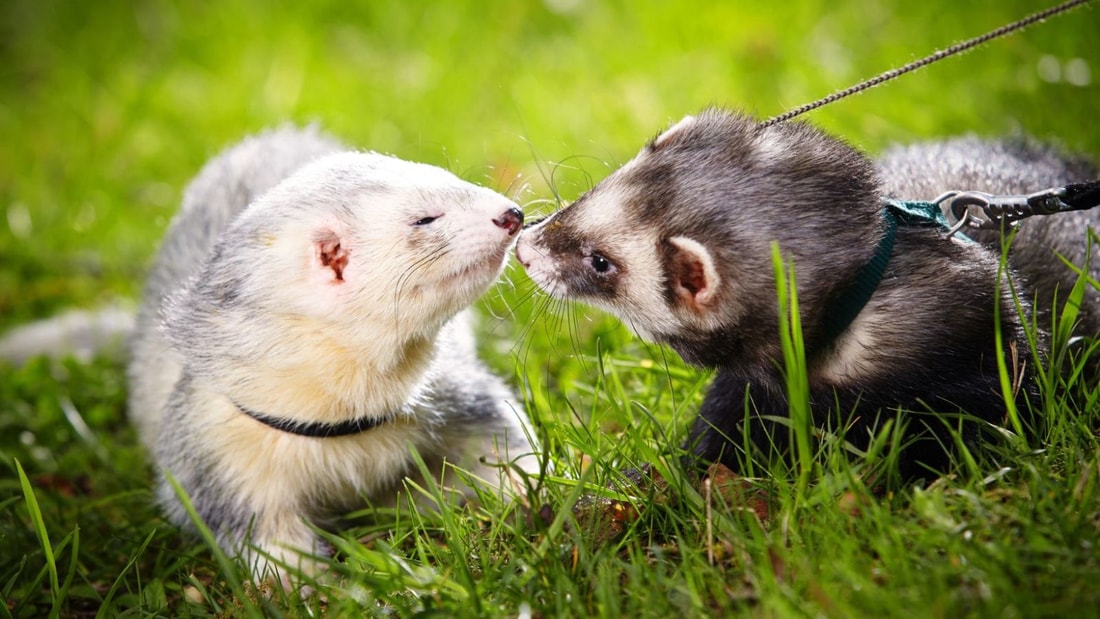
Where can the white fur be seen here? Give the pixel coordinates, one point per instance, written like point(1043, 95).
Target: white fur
point(851, 359)
point(296, 341)
point(640, 302)
point(770, 150)
point(671, 132)
point(281, 477)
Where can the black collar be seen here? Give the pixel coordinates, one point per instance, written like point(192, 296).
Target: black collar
point(318, 429)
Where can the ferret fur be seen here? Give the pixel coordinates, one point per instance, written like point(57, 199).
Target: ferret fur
point(314, 284)
point(677, 243)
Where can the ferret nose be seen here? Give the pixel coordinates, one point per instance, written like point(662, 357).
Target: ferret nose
point(510, 220)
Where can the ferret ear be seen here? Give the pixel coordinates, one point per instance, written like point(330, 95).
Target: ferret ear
point(671, 134)
point(330, 255)
point(692, 274)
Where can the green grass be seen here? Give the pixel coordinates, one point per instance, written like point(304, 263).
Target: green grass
point(107, 108)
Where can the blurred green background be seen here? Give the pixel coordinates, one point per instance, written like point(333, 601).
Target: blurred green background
point(108, 107)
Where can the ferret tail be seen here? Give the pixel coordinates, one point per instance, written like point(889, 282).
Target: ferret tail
point(78, 333)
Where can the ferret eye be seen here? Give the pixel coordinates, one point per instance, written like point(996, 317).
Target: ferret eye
point(600, 264)
point(425, 221)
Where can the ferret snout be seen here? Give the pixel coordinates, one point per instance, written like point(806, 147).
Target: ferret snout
point(510, 220)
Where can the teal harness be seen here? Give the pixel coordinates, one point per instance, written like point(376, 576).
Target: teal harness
point(895, 213)
point(972, 209)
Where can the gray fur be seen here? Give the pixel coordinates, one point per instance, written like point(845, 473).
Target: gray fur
point(924, 342)
point(80, 333)
point(1010, 167)
point(222, 189)
point(241, 310)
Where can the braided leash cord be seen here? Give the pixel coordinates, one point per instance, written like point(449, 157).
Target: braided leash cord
point(927, 60)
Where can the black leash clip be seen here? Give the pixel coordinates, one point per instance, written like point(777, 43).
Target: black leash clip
point(986, 211)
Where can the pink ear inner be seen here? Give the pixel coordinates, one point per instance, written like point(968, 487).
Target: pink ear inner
point(689, 275)
point(332, 255)
point(693, 275)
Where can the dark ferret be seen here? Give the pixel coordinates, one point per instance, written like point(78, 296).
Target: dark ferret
point(677, 244)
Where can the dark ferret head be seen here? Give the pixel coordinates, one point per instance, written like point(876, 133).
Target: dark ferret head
point(678, 242)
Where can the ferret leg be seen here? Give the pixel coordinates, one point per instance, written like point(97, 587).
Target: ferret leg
point(284, 549)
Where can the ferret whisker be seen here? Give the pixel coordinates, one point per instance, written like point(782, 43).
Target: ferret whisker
point(513, 275)
point(553, 182)
point(537, 310)
point(538, 205)
point(540, 164)
point(407, 275)
point(399, 281)
point(560, 314)
point(574, 317)
point(583, 170)
point(521, 288)
point(544, 308)
point(657, 351)
point(517, 187)
point(424, 261)
point(522, 296)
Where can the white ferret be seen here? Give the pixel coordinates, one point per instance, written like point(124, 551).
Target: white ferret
point(303, 331)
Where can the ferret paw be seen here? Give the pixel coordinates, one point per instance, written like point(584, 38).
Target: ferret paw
point(293, 570)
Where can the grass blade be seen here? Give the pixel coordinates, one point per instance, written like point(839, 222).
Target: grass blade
point(43, 537)
point(794, 361)
point(106, 604)
point(228, 569)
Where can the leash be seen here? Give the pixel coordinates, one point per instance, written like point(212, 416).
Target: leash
point(927, 60)
point(986, 211)
point(950, 212)
point(955, 210)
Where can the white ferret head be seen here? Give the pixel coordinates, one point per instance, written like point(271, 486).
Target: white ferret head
point(366, 249)
point(677, 242)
